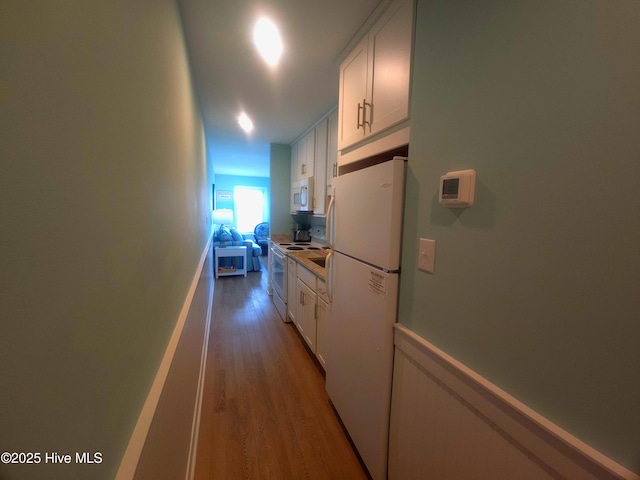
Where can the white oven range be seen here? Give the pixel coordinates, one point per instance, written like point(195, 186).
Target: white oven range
point(279, 280)
point(279, 271)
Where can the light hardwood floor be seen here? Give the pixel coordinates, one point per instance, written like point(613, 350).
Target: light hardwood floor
point(265, 414)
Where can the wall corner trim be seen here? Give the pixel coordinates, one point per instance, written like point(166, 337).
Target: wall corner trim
point(131, 457)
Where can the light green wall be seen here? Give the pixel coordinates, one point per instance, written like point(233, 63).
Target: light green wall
point(105, 207)
point(537, 286)
point(280, 187)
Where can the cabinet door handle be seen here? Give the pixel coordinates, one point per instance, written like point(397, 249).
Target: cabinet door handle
point(335, 169)
point(360, 109)
point(302, 298)
point(364, 113)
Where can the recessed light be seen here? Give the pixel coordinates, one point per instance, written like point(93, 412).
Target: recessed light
point(267, 39)
point(245, 122)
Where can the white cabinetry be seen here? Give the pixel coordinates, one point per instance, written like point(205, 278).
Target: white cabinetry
point(322, 313)
point(321, 320)
point(353, 95)
point(308, 307)
point(375, 77)
point(294, 164)
point(306, 315)
point(294, 174)
point(310, 155)
point(316, 154)
point(305, 156)
point(320, 187)
point(292, 304)
point(298, 159)
point(332, 147)
point(326, 160)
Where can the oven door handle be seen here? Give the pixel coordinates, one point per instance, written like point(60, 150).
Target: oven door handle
point(277, 253)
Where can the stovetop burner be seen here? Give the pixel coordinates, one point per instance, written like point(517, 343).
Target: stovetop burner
point(299, 246)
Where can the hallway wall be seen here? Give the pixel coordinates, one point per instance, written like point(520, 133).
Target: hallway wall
point(105, 207)
point(536, 287)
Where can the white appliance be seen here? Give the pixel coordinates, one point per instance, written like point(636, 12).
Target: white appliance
point(302, 195)
point(279, 280)
point(366, 228)
point(278, 271)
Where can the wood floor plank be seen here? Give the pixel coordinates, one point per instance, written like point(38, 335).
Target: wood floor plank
point(265, 413)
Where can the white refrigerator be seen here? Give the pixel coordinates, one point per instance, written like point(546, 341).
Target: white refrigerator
point(366, 232)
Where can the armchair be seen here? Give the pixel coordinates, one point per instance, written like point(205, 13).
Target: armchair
point(261, 233)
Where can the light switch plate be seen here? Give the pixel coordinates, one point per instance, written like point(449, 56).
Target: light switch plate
point(427, 255)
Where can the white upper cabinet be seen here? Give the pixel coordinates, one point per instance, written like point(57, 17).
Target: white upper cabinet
point(301, 155)
point(353, 95)
point(375, 77)
point(390, 67)
point(320, 190)
point(332, 148)
point(306, 155)
point(316, 154)
point(294, 164)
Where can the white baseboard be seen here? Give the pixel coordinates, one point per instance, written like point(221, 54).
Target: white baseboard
point(132, 454)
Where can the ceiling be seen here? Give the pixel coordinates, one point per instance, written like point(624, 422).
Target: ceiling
point(230, 76)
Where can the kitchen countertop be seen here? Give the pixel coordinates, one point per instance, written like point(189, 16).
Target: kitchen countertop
point(281, 238)
point(304, 257)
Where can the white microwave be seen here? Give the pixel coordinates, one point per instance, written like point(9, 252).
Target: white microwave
point(302, 195)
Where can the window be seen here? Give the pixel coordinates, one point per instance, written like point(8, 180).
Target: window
point(250, 207)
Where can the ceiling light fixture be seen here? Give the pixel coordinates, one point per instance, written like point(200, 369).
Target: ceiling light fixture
point(267, 40)
point(245, 122)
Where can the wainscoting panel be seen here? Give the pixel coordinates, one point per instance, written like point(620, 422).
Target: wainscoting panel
point(164, 440)
point(447, 422)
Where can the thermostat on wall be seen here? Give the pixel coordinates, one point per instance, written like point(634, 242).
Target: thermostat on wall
point(457, 189)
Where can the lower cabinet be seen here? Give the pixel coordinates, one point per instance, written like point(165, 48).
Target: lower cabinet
point(306, 314)
point(292, 305)
point(310, 309)
point(321, 321)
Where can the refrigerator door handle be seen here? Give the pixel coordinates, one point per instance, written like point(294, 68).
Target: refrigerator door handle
point(329, 275)
point(330, 219)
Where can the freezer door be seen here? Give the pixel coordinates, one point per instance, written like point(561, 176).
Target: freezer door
point(359, 356)
point(368, 213)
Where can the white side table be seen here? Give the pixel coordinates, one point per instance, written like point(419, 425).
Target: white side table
point(231, 252)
